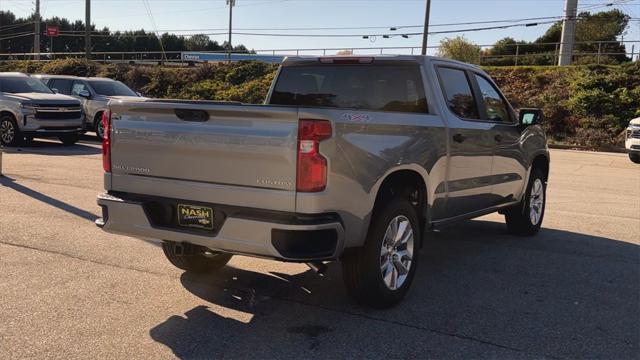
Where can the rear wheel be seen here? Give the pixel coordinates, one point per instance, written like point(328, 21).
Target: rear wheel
point(380, 274)
point(10, 134)
point(194, 258)
point(525, 219)
point(69, 139)
point(635, 157)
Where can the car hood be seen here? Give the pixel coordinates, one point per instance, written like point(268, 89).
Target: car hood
point(42, 98)
point(635, 122)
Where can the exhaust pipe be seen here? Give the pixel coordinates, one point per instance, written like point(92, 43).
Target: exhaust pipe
point(318, 267)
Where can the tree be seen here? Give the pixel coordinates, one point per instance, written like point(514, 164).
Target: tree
point(459, 48)
point(197, 42)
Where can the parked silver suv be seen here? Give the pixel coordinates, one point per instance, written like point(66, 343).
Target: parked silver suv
point(28, 109)
point(94, 93)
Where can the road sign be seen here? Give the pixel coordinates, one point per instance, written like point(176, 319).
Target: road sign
point(53, 31)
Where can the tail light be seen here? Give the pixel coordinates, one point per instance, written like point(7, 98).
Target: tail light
point(312, 166)
point(106, 141)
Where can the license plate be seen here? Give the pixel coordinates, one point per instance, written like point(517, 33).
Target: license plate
point(200, 217)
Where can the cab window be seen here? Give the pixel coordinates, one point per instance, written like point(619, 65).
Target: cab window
point(62, 85)
point(458, 94)
point(497, 108)
point(78, 87)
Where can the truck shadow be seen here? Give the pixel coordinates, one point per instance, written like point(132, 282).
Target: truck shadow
point(478, 290)
point(86, 146)
point(11, 184)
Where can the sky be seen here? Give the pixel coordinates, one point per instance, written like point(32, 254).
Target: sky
point(179, 16)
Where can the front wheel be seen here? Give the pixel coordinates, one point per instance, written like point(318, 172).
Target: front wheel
point(10, 134)
point(380, 273)
point(69, 140)
point(634, 157)
point(98, 126)
point(194, 258)
point(525, 219)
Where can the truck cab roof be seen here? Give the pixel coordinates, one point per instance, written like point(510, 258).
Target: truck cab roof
point(13, 74)
point(364, 59)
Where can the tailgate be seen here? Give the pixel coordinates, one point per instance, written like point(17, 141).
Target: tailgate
point(231, 154)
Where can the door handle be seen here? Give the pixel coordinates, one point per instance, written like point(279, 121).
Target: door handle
point(459, 138)
point(498, 138)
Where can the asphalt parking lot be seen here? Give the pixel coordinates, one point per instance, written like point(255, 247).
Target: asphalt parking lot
point(68, 290)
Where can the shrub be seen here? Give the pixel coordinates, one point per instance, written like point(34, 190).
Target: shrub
point(76, 67)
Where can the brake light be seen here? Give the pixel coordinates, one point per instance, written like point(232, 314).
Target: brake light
point(345, 60)
point(312, 166)
point(106, 141)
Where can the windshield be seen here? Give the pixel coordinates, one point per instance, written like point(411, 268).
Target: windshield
point(111, 88)
point(23, 85)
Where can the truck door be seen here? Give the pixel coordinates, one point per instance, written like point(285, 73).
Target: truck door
point(509, 163)
point(471, 145)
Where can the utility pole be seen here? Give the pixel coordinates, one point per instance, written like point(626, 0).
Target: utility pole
point(231, 4)
point(87, 29)
point(425, 35)
point(36, 38)
point(568, 32)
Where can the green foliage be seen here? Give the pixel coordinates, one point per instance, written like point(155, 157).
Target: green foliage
point(603, 26)
point(583, 105)
point(76, 67)
point(459, 48)
point(104, 39)
point(588, 105)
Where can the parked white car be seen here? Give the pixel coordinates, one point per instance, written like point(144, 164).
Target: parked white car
point(632, 143)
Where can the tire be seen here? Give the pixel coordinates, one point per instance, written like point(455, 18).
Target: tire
point(364, 271)
point(97, 126)
point(634, 157)
point(69, 140)
point(525, 219)
point(10, 134)
point(192, 258)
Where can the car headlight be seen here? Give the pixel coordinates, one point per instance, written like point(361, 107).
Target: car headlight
point(27, 106)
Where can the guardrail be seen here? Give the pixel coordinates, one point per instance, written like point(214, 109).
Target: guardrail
point(511, 54)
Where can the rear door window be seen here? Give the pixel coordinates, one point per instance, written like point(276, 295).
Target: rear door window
point(396, 88)
point(458, 94)
point(62, 85)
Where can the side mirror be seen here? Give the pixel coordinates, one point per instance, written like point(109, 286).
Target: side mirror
point(139, 93)
point(55, 90)
point(530, 117)
point(85, 94)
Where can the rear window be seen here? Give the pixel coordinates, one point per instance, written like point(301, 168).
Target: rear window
point(111, 88)
point(369, 87)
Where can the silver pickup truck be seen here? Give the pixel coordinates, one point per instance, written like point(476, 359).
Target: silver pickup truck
point(352, 159)
point(29, 109)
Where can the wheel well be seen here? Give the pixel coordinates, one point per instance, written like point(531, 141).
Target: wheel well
point(541, 162)
point(98, 116)
point(7, 113)
point(404, 183)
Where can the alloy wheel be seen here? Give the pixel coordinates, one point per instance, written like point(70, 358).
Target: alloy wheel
point(397, 252)
point(536, 202)
point(7, 131)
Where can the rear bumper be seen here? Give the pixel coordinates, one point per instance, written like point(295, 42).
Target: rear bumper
point(273, 235)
